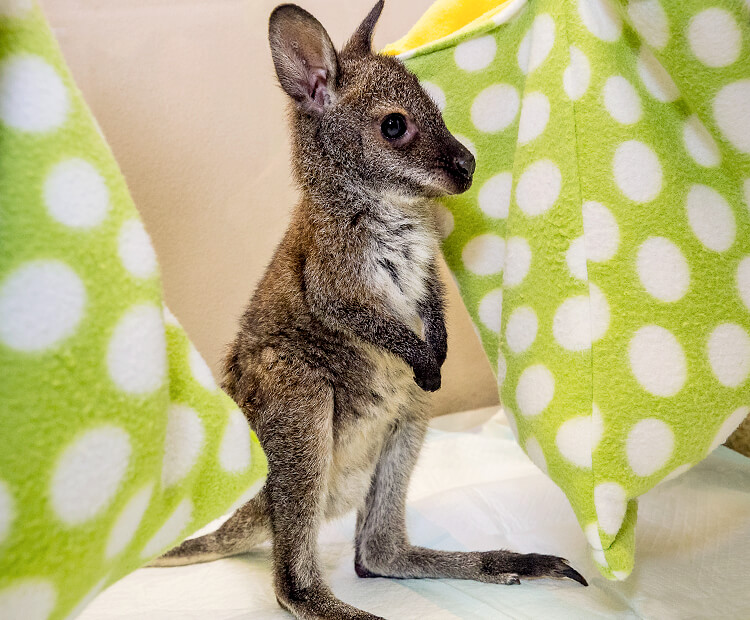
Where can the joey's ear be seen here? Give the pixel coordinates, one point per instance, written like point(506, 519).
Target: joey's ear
point(361, 41)
point(305, 59)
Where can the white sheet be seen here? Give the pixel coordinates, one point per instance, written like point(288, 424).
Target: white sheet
point(477, 490)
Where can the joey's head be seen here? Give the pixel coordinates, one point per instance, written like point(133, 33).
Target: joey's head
point(361, 120)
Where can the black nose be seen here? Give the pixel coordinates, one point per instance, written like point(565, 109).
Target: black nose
point(465, 163)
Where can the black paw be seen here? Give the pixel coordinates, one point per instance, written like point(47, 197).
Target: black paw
point(428, 378)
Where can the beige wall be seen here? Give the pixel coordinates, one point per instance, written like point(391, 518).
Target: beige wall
point(184, 91)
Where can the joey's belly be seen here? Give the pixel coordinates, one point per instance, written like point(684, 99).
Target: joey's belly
point(360, 437)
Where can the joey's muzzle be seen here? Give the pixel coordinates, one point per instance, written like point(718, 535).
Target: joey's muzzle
point(460, 165)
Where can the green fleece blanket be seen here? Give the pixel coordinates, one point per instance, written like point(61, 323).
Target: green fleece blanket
point(115, 441)
point(604, 249)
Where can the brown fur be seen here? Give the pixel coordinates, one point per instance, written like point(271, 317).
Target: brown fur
point(346, 332)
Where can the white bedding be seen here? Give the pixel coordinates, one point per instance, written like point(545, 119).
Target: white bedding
point(477, 490)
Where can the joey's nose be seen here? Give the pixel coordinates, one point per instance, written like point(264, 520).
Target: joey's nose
point(465, 163)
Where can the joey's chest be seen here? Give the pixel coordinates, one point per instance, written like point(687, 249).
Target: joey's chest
point(399, 254)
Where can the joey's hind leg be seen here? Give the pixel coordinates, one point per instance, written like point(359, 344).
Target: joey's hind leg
point(299, 456)
point(249, 526)
point(382, 544)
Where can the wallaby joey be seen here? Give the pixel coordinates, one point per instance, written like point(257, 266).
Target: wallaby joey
point(345, 332)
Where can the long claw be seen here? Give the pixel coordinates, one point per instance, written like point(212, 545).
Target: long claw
point(572, 573)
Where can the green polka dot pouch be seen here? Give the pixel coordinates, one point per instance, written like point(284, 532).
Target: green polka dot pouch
point(604, 249)
point(115, 441)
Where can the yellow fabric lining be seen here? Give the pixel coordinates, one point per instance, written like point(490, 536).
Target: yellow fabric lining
point(444, 18)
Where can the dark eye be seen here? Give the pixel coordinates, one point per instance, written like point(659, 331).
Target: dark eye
point(393, 126)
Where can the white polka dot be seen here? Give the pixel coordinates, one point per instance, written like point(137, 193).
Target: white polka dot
point(135, 249)
point(32, 95)
point(732, 114)
point(41, 303)
point(729, 426)
point(663, 269)
point(677, 472)
point(494, 197)
point(599, 557)
point(655, 78)
point(182, 445)
point(650, 21)
point(484, 255)
point(610, 501)
point(601, 19)
point(539, 187)
point(534, 117)
point(76, 194)
point(7, 511)
point(169, 318)
point(602, 235)
point(535, 389)
point(578, 437)
point(436, 94)
point(87, 600)
point(520, 331)
point(502, 370)
point(171, 532)
point(88, 474)
point(128, 522)
point(475, 54)
point(637, 171)
point(657, 361)
point(575, 258)
point(517, 261)
point(200, 370)
point(536, 454)
point(599, 312)
point(536, 44)
point(234, 451)
point(495, 108)
point(700, 144)
point(729, 354)
point(491, 309)
point(622, 101)
point(649, 446)
point(714, 37)
point(467, 143)
point(137, 354)
point(577, 74)
point(621, 575)
point(15, 8)
point(711, 218)
point(743, 281)
point(28, 599)
point(444, 220)
point(592, 535)
point(571, 325)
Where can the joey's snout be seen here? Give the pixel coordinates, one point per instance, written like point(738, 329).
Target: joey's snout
point(465, 163)
point(460, 165)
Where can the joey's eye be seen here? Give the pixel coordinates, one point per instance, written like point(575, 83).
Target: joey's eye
point(393, 126)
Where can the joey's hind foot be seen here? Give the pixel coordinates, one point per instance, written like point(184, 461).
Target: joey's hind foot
point(499, 567)
point(321, 605)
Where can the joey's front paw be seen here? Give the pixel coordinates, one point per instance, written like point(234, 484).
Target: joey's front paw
point(427, 376)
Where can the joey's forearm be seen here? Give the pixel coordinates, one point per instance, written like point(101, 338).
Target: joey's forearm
point(385, 332)
point(432, 313)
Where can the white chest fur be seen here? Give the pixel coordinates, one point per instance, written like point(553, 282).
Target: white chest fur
point(401, 250)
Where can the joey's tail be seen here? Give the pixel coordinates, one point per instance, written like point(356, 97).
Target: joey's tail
point(248, 527)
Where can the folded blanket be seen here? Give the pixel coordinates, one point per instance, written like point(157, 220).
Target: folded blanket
point(604, 249)
point(115, 441)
